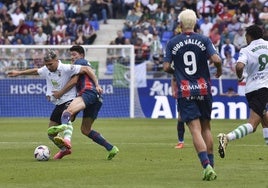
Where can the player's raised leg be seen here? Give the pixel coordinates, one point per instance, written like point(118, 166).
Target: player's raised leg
point(53, 123)
point(56, 129)
point(67, 135)
point(237, 133)
point(223, 141)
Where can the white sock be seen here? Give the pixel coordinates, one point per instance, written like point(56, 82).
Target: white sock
point(67, 133)
point(240, 131)
point(265, 135)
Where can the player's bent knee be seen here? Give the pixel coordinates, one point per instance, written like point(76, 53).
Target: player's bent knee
point(85, 130)
point(68, 112)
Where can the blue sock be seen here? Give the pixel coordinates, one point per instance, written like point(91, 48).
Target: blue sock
point(65, 117)
point(203, 156)
point(96, 137)
point(211, 159)
point(180, 130)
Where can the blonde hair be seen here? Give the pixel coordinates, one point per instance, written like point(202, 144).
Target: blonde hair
point(188, 19)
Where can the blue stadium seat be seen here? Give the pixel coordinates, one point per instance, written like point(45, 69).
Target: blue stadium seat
point(200, 21)
point(30, 23)
point(95, 25)
point(166, 36)
point(236, 55)
point(127, 34)
point(164, 44)
point(110, 69)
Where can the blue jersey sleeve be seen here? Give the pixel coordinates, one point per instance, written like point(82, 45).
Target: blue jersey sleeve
point(82, 62)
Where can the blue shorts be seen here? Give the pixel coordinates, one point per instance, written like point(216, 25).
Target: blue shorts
point(93, 102)
point(195, 107)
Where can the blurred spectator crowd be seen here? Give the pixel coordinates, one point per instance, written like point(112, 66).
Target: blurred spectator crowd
point(148, 25)
point(49, 22)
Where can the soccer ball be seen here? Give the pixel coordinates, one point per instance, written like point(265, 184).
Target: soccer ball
point(42, 153)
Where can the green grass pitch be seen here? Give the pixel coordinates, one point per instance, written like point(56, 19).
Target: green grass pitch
point(147, 158)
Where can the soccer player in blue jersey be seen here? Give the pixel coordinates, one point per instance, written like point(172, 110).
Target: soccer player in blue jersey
point(186, 57)
point(89, 100)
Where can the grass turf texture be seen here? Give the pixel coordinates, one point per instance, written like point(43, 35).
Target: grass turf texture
point(147, 158)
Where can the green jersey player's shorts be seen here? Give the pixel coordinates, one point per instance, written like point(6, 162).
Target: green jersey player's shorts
point(258, 100)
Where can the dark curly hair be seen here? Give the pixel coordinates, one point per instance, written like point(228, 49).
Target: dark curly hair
point(78, 49)
point(255, 32)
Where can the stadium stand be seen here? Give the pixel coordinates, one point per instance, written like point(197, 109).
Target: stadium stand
point(161, 20)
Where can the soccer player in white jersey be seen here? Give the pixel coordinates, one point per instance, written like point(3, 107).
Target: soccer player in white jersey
point(57, 75)
point(253, 58)
point(89, 100)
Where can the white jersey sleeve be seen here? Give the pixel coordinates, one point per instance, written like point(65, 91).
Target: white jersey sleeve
point(43, 71)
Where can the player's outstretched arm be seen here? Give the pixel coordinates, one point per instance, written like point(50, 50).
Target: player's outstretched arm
point(70, 84)
point(15, 73)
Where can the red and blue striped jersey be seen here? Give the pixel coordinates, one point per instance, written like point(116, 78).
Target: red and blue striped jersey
point(84, 81)
point(189, 54)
